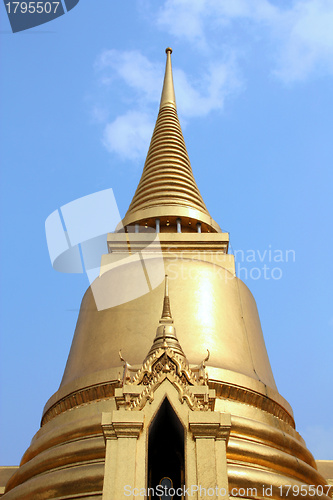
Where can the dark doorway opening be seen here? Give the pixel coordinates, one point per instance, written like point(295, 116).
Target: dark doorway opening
point(166, 452)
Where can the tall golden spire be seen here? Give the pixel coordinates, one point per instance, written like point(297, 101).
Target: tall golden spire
point(167, 190)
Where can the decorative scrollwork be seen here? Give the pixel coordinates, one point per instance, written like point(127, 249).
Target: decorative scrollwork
point(164, 363)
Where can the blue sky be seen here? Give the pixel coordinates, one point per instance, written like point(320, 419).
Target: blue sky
point(79, 98)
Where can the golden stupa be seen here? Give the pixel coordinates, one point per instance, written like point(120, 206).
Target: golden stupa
point(142, 405)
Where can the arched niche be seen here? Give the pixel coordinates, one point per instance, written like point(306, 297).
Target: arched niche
point(166, 450)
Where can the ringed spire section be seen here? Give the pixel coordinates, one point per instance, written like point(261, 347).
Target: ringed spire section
point(167, 191)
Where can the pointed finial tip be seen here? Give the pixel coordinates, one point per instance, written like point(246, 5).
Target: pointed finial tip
point(168, 93)
point(166, 288)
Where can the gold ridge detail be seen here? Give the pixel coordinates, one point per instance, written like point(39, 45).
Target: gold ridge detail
point(167, 170)
point(167, 178)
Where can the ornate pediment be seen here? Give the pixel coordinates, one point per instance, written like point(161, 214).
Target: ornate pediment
point(165, 361)
point(164, 364)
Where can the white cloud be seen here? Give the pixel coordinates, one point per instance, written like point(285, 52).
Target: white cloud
point(184, 18)
point(299, 39)
point(195, 96)
point(134, 69)
point(128, 135)
point(209, 92)
point(204, 21)
point(306, 34)
point(195, 20)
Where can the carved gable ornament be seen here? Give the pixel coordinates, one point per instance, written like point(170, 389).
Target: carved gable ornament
point(164, 364)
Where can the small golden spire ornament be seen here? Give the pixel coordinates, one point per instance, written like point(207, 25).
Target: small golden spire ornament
point(166, 312)
point(166, 333)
